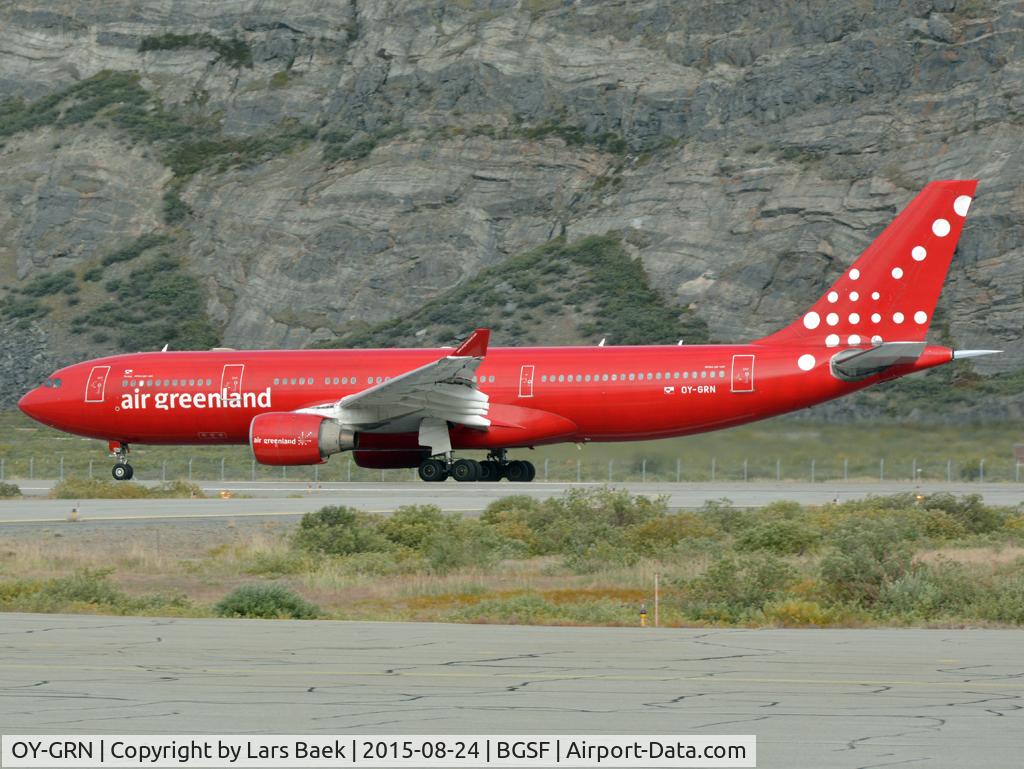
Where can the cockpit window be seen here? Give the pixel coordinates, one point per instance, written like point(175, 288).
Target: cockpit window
point(52, 382)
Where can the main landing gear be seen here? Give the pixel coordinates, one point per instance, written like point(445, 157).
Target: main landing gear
point(122, 471)
point(494, 468)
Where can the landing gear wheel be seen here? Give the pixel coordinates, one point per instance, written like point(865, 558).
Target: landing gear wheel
point(432, 470)
point(490, 471)
point(122, 472)
point(465, 470)
point(531, 471)
point(518, 472)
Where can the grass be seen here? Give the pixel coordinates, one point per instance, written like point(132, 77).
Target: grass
point(28, 448)
point(900, 560)
point(91, 488)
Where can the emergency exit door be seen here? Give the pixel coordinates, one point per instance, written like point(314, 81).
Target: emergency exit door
point(526, 382)
point(231, 378)
point(96, 386)
point(743, 373)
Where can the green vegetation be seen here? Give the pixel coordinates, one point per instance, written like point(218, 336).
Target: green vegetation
point(348, 145)
point(9, 490)
point(51, 283)
point(233, 52)
point(83, 591)
point(96, 489)
point(157, 303)
point(266, 602)
point(206, 153)
point(587, 557)
point(606, 292)
point(175, 209)
point(573, 135)
point(135, 249)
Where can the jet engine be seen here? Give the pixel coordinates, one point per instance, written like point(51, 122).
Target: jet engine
point(283, 438)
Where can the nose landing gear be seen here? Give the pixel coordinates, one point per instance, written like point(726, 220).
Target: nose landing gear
point(122, 471)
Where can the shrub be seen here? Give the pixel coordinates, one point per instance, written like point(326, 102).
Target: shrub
point(135, 249)
point(234, 52)
point(783, 537)
point(732, 589)
point(175, 209)
point(51, 283)
point(95, 488)
point(340, 531)
point(969, 511)
point(661, 534)
point(459, 543)
point(412, 525)
point(866, 554)
point(266, 602)
point(8, 490)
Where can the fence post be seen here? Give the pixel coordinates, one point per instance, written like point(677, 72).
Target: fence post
point(163, 471)
point(812, 471)
point(578, 476)
point(949, 471)
point(284, 472)
point(679, 469)
point(316, 473)
point(62, 467)
point(546, 468)
point(190, 469)
point(1018, 472)
point(90, 471)
point(712, 468)
point(2, 461)
point(222, 469)
point(981, 471)
point(252, 470)
point(382, 475)
point(913, 469)
point(778, 469)
point(611, 462)
point(846, 469)
point(31, 468)
point(350, 470)
point(881, 469)
point(643, 470)
point(744, 469)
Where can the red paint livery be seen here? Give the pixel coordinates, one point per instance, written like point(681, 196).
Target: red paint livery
point(412, 407)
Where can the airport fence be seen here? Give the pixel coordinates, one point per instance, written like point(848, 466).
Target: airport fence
point(234, 468)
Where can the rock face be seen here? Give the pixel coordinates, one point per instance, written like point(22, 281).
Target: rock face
point(748, 150)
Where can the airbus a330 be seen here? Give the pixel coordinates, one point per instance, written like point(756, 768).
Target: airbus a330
point(419, 407)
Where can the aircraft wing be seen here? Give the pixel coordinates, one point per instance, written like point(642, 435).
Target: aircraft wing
point(442, 390)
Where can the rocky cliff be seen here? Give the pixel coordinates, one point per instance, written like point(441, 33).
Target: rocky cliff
point(285, 174)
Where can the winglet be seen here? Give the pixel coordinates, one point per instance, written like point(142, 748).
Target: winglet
point(475, 346)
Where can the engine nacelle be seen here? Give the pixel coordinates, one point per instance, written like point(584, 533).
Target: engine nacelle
point(282, 438)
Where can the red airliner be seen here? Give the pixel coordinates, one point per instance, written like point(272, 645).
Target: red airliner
point(414, 407)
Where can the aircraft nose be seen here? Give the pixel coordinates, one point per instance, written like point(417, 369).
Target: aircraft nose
point(31, 404)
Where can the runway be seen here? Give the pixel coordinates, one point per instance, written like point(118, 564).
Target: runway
point(272, 499)
point(814, 698)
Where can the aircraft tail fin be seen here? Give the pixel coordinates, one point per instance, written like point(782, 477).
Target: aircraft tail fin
point(890, 292)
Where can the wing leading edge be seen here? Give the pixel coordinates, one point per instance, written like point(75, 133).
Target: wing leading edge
point(442, 391)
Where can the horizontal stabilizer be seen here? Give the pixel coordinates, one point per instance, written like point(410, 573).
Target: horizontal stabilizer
point(852, 365)
point(962, 354)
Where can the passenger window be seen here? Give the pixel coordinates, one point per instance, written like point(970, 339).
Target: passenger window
point(649, 376)
point(604, 377)
point(124, 383)
point(632, 376)
point(656, 376)
point(336, 380)
point(294, 380)
point(614, 377)
point(561, 377)
point(703, 374)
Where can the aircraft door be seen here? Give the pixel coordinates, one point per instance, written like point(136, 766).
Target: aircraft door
point(743, 373)
point(526, 382)
point(95, 388)
point(231, 378)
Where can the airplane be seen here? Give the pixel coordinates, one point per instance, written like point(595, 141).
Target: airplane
point(397, 408)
